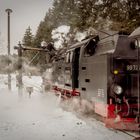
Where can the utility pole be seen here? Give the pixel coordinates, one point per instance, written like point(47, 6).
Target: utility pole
point(138, 84)
point(20, 64)
point(8, 11)
point(19, 74)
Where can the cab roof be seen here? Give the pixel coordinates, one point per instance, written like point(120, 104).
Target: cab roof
point(135, 33)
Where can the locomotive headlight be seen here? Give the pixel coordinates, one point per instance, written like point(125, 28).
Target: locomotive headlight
point(117, 89)
point(116, 72)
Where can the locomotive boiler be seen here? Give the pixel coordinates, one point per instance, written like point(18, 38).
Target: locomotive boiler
point(104, 69)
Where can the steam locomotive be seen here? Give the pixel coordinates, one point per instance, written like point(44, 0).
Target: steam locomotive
point(105, 70)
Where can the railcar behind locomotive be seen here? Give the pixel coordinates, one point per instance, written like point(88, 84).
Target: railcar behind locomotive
point(106, 71)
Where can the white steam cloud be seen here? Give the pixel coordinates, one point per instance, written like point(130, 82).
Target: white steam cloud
point(80, 35)
point(63, 36)
point(60, 35)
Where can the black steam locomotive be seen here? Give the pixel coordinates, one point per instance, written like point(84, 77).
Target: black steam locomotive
point(105, 70)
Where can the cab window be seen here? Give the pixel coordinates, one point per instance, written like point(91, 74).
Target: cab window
point(134, 44)
point(90, 48)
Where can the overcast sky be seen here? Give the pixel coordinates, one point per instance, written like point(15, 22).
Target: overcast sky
point(25, 13)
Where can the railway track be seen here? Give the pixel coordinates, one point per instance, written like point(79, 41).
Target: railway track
point(92, 117)
point(135, 136)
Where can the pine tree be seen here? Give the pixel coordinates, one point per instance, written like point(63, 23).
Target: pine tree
point(28, 42)
point(44, 33)
point(123, 13)
point(28, 38)
point(65, 12)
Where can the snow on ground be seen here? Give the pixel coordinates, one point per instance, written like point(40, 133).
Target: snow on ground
point(41, 118)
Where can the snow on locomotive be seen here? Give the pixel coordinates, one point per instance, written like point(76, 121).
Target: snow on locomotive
point(106, 71)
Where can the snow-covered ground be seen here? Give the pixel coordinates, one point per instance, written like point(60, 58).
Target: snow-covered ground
point(41, 117)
